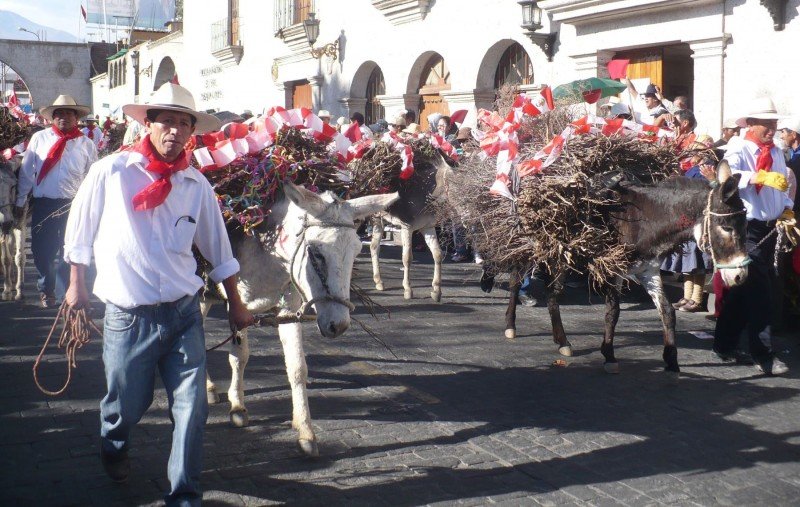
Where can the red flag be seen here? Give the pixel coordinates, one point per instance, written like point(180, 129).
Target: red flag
point(12, 99)
point(458, 116)
point(592, 96)
point(618, 69)
point(83, 13)
point(353, 132)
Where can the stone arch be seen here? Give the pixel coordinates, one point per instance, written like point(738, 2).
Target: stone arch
point(491, 59)
point(358, 85)
point(3, 98)
point(418, 68)
point(165, 72)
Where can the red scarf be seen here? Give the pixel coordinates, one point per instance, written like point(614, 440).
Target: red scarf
point(54, 155)
point(91, 133)
point(156, 192)
point(764, 160)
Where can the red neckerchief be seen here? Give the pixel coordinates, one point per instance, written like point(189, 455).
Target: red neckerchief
point(156, 192)
point(54, 155)
point(764, 160)
point(90, 135)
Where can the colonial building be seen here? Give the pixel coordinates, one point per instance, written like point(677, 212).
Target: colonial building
point(380, 56)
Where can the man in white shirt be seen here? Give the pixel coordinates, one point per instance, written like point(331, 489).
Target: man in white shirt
point(92, 131)
point(53, 167)
point(139, 212)
point(762, 187)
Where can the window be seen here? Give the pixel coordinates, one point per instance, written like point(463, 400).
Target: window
point(373, 110)
point(435, 77)
point(515, 67)
point(291, 12)
point(300, 10)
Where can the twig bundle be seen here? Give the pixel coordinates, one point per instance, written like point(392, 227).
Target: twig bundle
point(12, 132)
point(378, 170)
point(115, 134)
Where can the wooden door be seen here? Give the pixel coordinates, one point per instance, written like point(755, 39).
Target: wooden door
point(301, 95)
point(648, 62)
point(435, 79)
point(431, 104)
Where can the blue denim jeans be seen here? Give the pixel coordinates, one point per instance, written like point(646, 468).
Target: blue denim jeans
point(48, 223)
point(136, 341)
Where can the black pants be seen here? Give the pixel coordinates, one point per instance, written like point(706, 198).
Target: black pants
point(748, 307)
point(48, 224)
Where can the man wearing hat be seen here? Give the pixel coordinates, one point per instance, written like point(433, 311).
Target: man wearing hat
point(55, 163)
point(790, 135)
point(324, 115)
point(762, 187)
point(92, 131)
point(139, 212)
point(729, 129)
point(655, 109)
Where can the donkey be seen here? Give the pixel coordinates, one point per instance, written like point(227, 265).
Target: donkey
point(656, 219)
point(414, 212)
point(12, 234)
point(303, 253)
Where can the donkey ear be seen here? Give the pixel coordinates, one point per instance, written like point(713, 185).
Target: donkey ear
point(305, 199)
point(723, 171)
point(371, 204)
point(730, 188)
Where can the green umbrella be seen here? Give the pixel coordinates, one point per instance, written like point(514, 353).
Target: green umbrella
point(589, 90)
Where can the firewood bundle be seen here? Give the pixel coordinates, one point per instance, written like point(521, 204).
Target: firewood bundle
point(12, 132)
point(378, 170)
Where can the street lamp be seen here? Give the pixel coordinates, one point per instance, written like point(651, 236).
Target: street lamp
point(311, 26)
point(532, 21)
point(31, 32)
point(135, 63)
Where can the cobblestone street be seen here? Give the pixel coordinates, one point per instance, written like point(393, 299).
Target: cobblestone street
point(460, 416)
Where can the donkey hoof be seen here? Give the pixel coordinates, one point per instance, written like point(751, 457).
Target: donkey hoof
point(309, 447)
point(673, 376)
point(408, 294)
point(19, 297)
point(6, 296)
point(511, 334)
point(212, 397)
point(436, 295)
point(379, 286)
point(566, 350)
point(239, 418)
point(611, 367)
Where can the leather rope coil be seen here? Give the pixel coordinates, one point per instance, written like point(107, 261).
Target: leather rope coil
point(76, 331)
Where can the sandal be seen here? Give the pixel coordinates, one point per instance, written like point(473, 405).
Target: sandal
point(691, 306)
point(680, 303)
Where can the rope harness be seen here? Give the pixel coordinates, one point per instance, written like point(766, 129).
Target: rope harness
point(705, 236)
point(319, 266)
point(75, 333)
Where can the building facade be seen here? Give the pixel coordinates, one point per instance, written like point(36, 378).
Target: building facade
point(380, 56)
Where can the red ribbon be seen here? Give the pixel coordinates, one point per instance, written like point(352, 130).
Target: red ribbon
point(57, 150)
point(156, 192)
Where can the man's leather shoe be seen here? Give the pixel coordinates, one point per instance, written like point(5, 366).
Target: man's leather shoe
point(736, 356)
point(117, 466)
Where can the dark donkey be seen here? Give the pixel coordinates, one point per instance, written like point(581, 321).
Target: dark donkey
point(656, 219)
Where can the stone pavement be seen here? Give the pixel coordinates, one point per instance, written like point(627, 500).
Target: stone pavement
point(461, 416)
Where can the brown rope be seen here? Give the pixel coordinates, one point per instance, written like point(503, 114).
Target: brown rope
point(75, 333)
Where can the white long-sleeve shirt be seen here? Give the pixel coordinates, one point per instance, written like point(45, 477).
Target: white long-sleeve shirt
point(769, 203)
point(97, 135)
point(145, 257)
point(65, 177)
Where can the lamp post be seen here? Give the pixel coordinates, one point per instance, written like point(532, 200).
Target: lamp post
point(311, 26)
point(135, 63)
point(21, 29)
point(532, 21)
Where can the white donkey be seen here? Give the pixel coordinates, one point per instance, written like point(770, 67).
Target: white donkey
point(12, 234)
point(414, 212)
point(305, 254)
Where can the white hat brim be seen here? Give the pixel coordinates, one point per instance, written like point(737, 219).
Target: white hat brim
point(742, 122)
point(81, 111)
point(205, 122)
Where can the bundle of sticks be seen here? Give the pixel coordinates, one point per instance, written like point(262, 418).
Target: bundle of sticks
point(12, 132)
point(378, 170)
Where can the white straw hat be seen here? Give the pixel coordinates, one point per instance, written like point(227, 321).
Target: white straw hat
point(761, 108)
point(792, 124)
point(172, 97)
point(64, 102)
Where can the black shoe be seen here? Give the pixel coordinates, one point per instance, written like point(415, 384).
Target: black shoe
point(487, 283)
point(736, 356)
point(117, 466)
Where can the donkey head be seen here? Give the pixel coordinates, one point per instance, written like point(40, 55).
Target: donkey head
point(325, 248)
point(727, 227)
point(8, 192)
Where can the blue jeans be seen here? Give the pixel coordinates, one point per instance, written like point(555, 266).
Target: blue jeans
point(48, 223)
point(136, 341)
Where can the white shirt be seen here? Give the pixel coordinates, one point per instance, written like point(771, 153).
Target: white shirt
point(145, 257)
point(97, 133)
point(65, 177)
point(768, 204)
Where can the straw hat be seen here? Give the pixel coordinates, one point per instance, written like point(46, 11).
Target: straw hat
point(413, 128)
point(64, 102)
point(324, 113)
point(399, 120)
point(761, 108)
point(792, 124)
point(89, 117)
point(172, 97)
point(730, 123)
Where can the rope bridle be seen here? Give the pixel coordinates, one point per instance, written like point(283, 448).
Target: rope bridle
point(705, 236)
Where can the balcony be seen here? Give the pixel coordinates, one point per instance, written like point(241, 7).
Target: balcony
point(403, 11)
point(225, 44)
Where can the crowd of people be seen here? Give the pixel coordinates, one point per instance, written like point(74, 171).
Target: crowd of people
point(136, 213)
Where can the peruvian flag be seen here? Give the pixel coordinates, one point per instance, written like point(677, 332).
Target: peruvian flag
point(353, 132)
point(543, 103)
point(83, 13)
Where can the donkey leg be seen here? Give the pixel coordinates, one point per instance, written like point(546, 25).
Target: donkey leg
point(436, 250)
point(612, 316)
point(375, 251)
point(5, 266)
point(237, 358)
point(211, 388)
point(20, 257)
point(296, 369)
point(408, 256)
point(511, 310)
point(554, 291)
point(651, 280)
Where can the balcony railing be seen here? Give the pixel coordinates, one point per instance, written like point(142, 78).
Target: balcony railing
point(220, 34)
point(291, 12)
